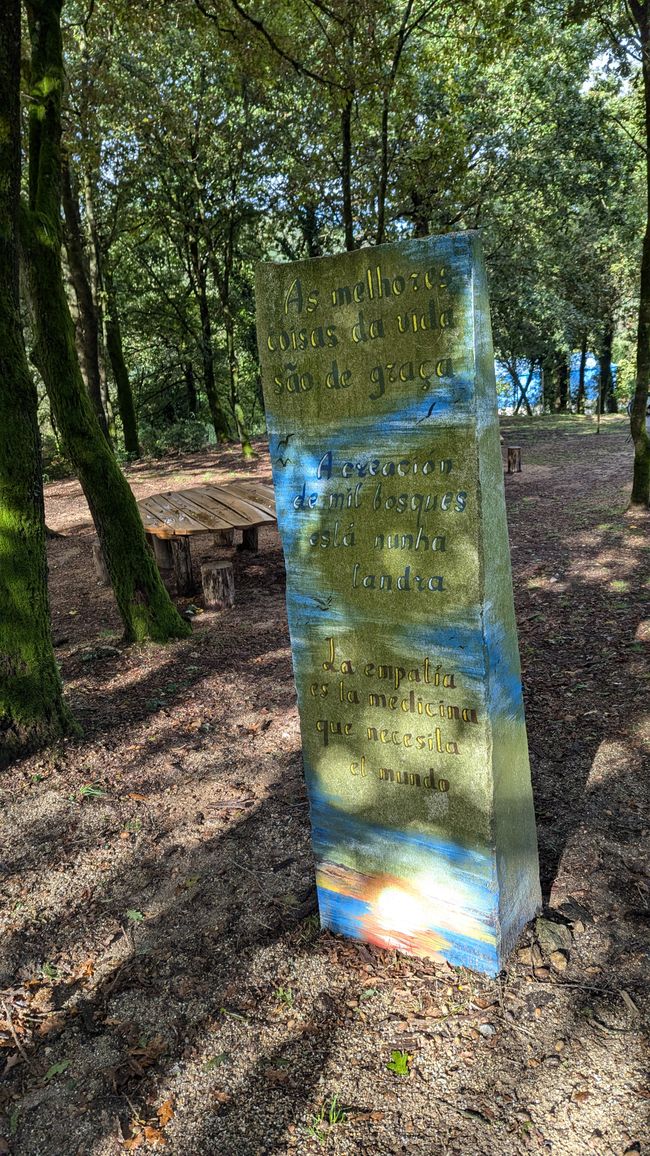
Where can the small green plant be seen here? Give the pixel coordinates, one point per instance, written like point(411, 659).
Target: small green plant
point(285, 995)
point(91, 791)
point(399, 1063)
point(57, 1069)
point(134, 916)
point(49, 971)
point(217, 1061)
point(327, 1117)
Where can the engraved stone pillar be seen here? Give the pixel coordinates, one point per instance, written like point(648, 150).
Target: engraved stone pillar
point(381, 405)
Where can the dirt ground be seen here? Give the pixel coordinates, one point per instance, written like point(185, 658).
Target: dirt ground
point(165, 984)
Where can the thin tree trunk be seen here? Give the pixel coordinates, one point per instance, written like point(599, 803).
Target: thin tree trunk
point(142, 600)
point(88, 319)
point(346, 172)
point(310, 230)
point(219, 419)
point(549, 385)
point(641, 479)
point(233, 371)
point(32, 710)
point(385, 111)
point(231, 352)
point(115, 352)
point(94, 255)
point(418, 214)
point(606, 378)
point(563, 383)
point(521, 391)
point(580, 396)
point(190, 386)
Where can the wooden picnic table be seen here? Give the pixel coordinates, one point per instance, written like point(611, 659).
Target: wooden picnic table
point(173, 517)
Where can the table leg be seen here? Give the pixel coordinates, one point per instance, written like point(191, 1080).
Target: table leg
point(182, 556)
point(250, 539)
point(162, 552)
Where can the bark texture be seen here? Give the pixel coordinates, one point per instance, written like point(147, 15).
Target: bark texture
point(142, 600)
point(89, 324)
point(115, 351)
point(641, 477)
point(31, 704)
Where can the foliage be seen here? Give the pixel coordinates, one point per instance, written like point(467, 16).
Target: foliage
point(399, 1063)
point(186, 436)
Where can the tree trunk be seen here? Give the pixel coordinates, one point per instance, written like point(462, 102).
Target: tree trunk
point(309, 223)
point(580, 396)
point(190, 386)
point(32, 710)
point(88, 319)
point(418, 213)
point(219, 420)
point(346, 172)
point(125, 402)
point(606, 378)
point(233, 371)
point(142, 600)
point(563, 383)
point(641, 479)
point(549, 384)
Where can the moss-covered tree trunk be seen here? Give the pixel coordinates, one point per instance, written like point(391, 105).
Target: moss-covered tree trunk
point(31, 704)
point(88, 316)
point(125, 402)
point(142, 600)
point(641, 478)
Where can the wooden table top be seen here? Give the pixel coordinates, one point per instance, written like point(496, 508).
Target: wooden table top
point(200, 509)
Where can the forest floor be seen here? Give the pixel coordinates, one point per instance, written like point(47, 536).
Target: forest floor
point(165, 984)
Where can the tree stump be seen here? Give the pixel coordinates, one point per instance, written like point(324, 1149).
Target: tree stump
point(101, 569)
point(514, 459)
point(250, 539)
point(182, 557)
point(162, 552)
point(218, 582)
point(224, 537)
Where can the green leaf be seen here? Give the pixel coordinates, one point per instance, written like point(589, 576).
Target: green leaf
point(399, 1063)
point(57, 1069)
point(216, 1061)
point(134, 915)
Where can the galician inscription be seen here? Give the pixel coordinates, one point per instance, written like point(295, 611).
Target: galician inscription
point(381, 409)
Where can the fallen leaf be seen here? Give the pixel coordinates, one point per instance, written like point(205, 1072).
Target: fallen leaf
point(165, 1113)
point(11, 1063)
point(135, 1142)
point(276, 1075)
point(153, 1135)
point(137, 798)
point(222, 1097)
